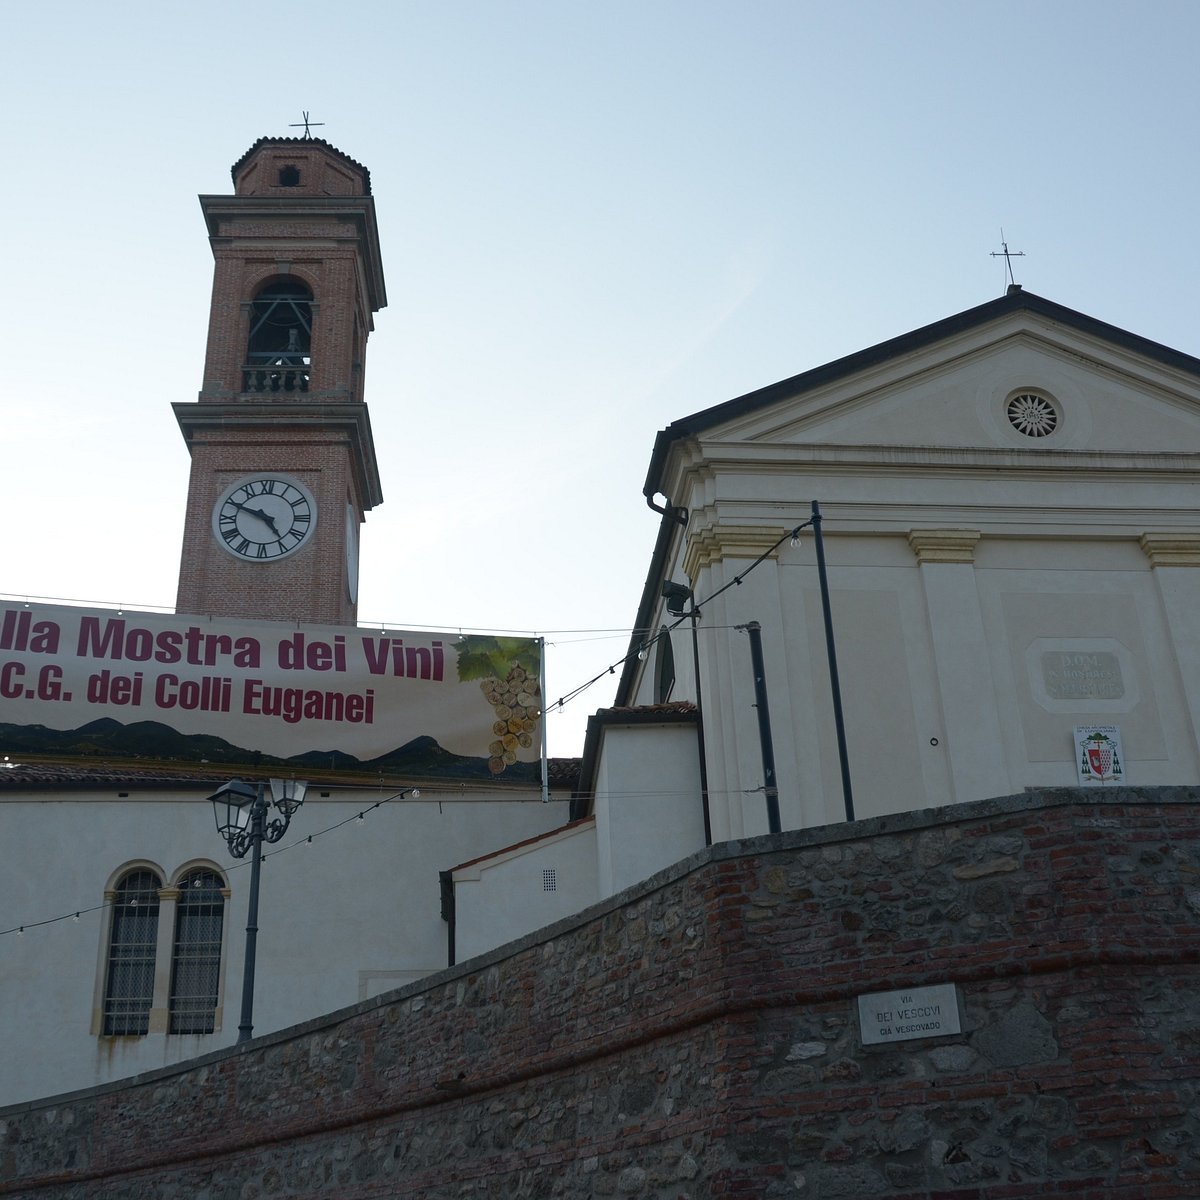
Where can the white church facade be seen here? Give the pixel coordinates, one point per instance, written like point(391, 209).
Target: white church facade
point(1011, 530)
point(1011, 525)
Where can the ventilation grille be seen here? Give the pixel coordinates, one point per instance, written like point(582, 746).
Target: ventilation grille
point(1032, 415)
point(549, 879)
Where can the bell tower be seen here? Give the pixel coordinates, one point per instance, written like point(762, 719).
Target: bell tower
point(283, 462)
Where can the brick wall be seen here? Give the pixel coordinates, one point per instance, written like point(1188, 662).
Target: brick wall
point(697, 1036)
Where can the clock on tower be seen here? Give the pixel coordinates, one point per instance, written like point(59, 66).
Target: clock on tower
point(283, 463)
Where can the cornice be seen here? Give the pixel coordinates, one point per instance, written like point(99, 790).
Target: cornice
point(1172, 549)
point(350, 419)
point(700, 467)
point(754, 456)
point(357, 210)
point(944, 545)
point(714, 545)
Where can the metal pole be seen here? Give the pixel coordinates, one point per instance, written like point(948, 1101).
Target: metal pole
point(257, 815)
point(695, 616)
point(764, 726)
point(543, 722)
point(834, 685)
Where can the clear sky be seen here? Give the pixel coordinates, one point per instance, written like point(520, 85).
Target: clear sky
point(596, 218)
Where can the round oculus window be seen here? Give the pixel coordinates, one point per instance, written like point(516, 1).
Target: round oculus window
point(1032, 415)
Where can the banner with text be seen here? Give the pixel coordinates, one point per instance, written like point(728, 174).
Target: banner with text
point(78, 682)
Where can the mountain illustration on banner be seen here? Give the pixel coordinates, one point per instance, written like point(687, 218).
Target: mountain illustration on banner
point(152, 741)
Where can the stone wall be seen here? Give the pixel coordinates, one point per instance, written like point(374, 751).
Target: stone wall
point(698, 1036)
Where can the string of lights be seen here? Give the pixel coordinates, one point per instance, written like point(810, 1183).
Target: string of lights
point(697, 605)
point(597, 634)
point(355, 818)
point(358, 817)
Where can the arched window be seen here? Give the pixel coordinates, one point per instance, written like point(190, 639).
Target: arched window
point(196, 956)
point(278, 352)
point(129, 986)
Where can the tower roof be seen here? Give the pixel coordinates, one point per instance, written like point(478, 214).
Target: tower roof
point(302, 144)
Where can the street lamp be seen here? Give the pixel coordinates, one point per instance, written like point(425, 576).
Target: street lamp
point(241, 814)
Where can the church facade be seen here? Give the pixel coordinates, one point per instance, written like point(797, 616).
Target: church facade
point(1010, 522)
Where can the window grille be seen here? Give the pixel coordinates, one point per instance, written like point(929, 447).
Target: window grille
point(549, 879)
point(129, 988)
point(196, 957)
point(1032, 414)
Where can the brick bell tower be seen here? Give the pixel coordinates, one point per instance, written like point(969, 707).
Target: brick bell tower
point(283, 462)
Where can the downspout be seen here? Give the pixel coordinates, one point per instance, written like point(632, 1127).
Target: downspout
point(677, 512)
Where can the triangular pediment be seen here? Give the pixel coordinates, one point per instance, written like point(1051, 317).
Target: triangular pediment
point(1021, 391)
point(1019, 376)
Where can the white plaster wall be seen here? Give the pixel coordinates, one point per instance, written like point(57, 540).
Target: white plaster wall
point(1039, 611)
point(648, 802)
point(939, 667)
point(356, 911)
point(505, 897)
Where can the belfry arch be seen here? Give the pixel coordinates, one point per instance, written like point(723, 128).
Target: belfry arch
point(279, 343)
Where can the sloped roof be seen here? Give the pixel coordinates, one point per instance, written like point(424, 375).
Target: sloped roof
point(1015, 300)
point(529, 841)
point(35, 776)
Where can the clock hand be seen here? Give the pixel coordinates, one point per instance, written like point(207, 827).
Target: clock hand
point(258, 512)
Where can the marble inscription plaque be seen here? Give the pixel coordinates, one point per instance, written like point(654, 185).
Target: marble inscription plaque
point(918, 1012)
point(1082, 675)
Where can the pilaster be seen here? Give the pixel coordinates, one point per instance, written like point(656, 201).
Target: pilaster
point(970, 716)
point(1173, 559)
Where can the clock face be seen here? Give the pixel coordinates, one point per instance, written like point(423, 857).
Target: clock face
point(264, 518)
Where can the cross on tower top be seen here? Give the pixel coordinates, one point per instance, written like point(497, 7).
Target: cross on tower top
point(306, 123)
point(1006, 254)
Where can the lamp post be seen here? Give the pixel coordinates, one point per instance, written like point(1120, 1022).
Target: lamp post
point(241, 814)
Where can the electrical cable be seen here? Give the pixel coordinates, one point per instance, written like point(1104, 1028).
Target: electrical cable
point(697, 605)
